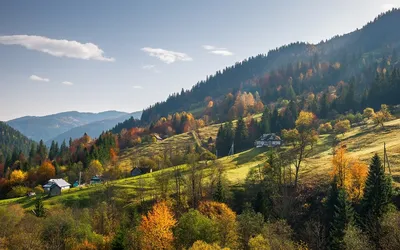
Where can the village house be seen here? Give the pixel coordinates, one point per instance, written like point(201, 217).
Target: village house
point(55, 186)
point(95, 180)
point(268, 140)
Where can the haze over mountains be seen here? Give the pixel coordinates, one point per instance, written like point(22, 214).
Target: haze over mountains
point(67, 125)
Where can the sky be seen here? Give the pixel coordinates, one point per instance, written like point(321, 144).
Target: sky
point(93, 56)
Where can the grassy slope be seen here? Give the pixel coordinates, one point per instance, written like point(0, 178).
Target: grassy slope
point(361, 144)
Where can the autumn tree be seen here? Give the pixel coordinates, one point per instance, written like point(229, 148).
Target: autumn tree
point(18, 177)
point(45, 172)
point(341, 127)
point(302, 139)
point(351, 173)
point(368, 113)
point(225, 220)
point(382, 115)
point(156, 228)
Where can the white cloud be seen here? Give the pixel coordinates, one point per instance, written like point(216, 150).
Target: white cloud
point(38, 78)
point(137, 87)
point(58, 48)
point(148, 67)
point(222, 52)
point(67, 83)
point(387, 6)
point(208, 47)
point(167, 56)
point(217, 51)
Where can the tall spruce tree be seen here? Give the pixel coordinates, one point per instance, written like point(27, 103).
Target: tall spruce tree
point(241, 136)
point(266, 121)
point(342, 217)
point(376, 200)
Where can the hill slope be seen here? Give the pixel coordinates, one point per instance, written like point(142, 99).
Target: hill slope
point(362, 143)
point(11, 139)
point(354, 52)
point(93, 129)
point(47, 127)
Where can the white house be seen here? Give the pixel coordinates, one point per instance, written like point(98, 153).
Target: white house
point(268, 140)
point(62, 184)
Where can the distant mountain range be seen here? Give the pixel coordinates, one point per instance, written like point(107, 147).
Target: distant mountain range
point(68, 124)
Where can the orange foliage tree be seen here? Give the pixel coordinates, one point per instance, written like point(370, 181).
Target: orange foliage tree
point(351, 173)
point(45, 172)
point(156, 228)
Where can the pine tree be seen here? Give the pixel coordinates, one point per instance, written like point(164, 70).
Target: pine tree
point(377, 193)
point(219, 194)
point(342, 217)
point(118, 241)
point(323, 113)
point(241, 136)
point(39, 209)
point(266, 121)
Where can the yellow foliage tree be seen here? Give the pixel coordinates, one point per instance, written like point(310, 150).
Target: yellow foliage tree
point(341, 127)
point(226, 221)
point(156, 228)
point(18, 177)
point(201, 245)
point(382, 115)
point(351, 173)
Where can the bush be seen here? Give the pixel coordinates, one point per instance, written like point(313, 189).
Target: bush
point(325, 128)
point(18, 191)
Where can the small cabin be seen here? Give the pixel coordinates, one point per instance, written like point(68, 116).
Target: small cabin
point(268, 140)
point(95, 180)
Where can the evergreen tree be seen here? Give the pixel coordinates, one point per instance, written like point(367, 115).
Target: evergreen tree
point(39, 209)
point(275, 123)
point(377, 194)
point(342, 217)
point(349, 101)
point(241, 136)
point(118, 242)
point(219, 194)
point(41, 152)
point(266, 121)
point(324, 104)
point(32, 155)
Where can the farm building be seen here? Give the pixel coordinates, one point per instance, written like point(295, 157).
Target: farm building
point(268, 140)
point(55, 186)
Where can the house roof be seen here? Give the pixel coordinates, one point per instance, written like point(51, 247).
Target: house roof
point(269, 137)
point(58, 182)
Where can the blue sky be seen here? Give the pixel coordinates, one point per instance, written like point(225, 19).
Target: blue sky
point(125, 55)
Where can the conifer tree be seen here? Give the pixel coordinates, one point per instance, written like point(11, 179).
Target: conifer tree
point(118, 241)
point(342, 218)
point(376, 200)
point(39, 210)
point(266, 121)
point(241, 136)
point(219, 194)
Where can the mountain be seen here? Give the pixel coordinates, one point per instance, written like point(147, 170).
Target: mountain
point(10, 140)
point(343, 57)
point(47, 127)
point(93, 129)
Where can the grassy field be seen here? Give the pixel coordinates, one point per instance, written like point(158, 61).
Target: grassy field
point(361, 143)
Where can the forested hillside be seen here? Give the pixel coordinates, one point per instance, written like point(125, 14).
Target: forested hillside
point(11, 141)
point(298, 66)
